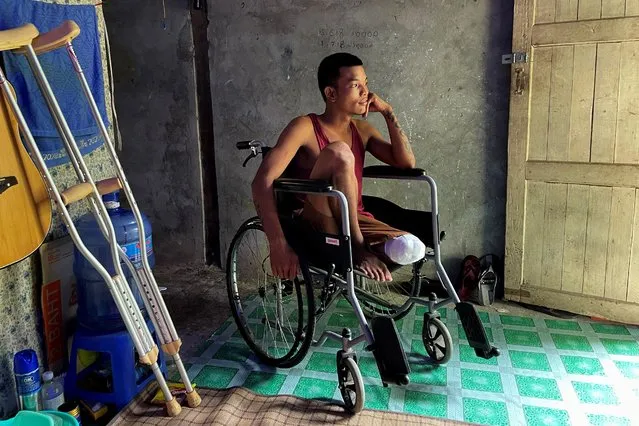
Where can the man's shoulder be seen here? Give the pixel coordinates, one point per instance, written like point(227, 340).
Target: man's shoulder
point(301, 121)
point(298, 131)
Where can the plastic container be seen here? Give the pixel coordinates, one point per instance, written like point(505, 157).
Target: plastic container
point(71, 409)
point(52, 392)
point(96, 309)
point(28, 418)
point(27, 376)
point(62, 419)
point(42, 418)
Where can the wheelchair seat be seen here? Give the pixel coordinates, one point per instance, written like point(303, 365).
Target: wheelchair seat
point(325, 250)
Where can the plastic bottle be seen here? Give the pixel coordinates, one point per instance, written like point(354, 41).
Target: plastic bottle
point(96, 308)
point(52, 392)
point(27, 376)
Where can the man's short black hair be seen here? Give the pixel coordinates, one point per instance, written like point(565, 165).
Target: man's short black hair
point(329, 69)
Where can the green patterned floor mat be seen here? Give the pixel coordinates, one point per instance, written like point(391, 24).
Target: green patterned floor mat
point(550, 372)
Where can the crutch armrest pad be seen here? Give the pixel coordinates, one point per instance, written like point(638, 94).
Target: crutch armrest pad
point(54, 39)
point(17, 37)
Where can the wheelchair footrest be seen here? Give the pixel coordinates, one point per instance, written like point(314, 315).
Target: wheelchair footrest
point(475, 331)
point(388, 352)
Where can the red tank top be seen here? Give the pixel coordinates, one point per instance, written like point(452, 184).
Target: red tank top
point(358, 152)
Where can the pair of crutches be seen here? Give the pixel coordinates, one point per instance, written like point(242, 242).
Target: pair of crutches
point(26, 40)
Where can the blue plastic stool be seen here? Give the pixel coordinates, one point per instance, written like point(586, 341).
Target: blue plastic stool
point(114, 372)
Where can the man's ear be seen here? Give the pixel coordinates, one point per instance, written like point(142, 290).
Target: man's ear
point(330, 93)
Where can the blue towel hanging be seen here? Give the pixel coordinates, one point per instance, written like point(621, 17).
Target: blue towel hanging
point(60, 74)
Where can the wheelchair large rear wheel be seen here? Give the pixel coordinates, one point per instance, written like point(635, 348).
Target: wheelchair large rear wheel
point(275, 317)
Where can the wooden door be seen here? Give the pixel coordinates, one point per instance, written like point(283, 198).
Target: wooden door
point(572, 237)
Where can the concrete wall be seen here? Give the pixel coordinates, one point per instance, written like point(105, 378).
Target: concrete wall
point(156, 103)
point(437, 62)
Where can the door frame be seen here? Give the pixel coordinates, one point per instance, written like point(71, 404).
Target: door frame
point(523, 16)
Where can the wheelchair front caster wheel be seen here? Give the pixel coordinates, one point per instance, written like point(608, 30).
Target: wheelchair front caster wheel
point(437, 340)
point(351, 384)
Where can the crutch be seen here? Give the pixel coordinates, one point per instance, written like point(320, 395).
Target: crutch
point(19, 40)
point(159, 314)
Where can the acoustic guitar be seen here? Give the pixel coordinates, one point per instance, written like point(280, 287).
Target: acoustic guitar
point(25, 207)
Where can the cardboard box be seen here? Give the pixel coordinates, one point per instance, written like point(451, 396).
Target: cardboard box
point(59, 300)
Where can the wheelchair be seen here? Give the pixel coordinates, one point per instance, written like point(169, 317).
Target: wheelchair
point(277, 318)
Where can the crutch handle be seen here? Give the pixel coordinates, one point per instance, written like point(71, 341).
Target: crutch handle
point(76, 193)
point(54, 39)
point(17, 37)
point(109, 185)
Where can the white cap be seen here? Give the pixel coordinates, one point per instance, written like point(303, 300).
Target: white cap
point(47, 376)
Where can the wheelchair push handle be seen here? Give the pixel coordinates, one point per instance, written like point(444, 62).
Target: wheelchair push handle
point(256, 147)
point(252, 144)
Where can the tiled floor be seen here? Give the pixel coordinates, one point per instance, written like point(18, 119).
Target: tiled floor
point(550, 372)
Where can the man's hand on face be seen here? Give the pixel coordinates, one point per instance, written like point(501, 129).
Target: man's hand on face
point(377, 104)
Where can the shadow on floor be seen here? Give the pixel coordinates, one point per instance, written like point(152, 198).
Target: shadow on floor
point(196, 298)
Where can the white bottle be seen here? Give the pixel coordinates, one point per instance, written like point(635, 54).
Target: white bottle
point(52, 392)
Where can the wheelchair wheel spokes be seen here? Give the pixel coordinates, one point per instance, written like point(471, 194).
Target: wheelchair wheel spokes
point(273, 316)
point(395, 294)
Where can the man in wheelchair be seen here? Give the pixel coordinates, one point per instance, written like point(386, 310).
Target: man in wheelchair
point(318, 164)
point(331, 147)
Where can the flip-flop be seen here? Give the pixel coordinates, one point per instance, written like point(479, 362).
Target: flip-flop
point(471, 269)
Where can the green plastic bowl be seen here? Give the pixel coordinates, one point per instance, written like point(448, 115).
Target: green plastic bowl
point(29, 418)
point(40, 418)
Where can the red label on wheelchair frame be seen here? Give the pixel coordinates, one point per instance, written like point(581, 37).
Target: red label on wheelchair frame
point(332, 241)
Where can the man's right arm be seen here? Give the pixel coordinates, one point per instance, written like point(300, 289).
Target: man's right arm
point(283, 260)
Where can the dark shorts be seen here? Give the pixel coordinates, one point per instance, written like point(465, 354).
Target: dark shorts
point(374, 231)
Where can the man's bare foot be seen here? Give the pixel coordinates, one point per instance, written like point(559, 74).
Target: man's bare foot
point(371, 265)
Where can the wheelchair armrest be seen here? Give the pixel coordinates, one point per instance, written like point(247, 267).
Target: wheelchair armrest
point(390, 172)
point(302, 185)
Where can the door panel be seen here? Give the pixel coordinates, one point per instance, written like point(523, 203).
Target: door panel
point(604, 126)
point(627, 146)
point(597, 228)
point(553, 235)
point(589, 9)
point(622, 210)
point(572, 238)
point(633, 274)
point(613, 8)
point(575, 238)
point(560, 100)
point(539, 104)
point(545, 11)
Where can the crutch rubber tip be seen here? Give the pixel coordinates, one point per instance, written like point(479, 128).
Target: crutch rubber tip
point(173, 407)
point(193, 399)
